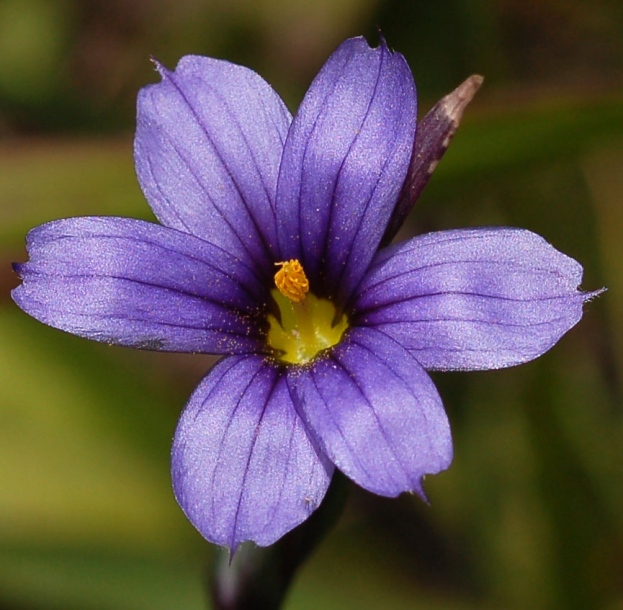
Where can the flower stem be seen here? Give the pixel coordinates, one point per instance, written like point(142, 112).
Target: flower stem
point(257, 578)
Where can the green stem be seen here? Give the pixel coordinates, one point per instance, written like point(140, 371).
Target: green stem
point(258, 578)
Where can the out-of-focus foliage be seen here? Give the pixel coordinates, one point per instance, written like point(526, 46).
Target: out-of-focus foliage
point(530, 515)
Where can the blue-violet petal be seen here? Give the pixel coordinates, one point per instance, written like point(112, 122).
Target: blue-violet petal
point(344, 163)
point(375, 412)
point(474, 298)
point(129, 282)
point(208, 143)
point(243, 464)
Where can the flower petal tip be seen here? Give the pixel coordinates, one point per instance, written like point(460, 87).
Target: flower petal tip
point(158, 66)
point(589, 296)
point(382, 42)
point(17, 268)
point(419, 491)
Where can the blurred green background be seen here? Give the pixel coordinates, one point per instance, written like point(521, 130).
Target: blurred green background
point(530, 515)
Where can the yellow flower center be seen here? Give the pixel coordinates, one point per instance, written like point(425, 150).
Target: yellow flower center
point(307, 324)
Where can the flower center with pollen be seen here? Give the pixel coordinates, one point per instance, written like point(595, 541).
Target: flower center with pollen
point(307, 324)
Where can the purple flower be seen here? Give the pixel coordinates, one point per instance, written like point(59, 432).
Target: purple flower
point(269, 253)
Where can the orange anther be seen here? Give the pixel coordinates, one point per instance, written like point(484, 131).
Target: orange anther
point(291, 280)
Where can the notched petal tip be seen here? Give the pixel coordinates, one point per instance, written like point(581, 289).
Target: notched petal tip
point(158, 66)
point(589, 296)
point(383, 43)
point(18, 269)
point(419, 490)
